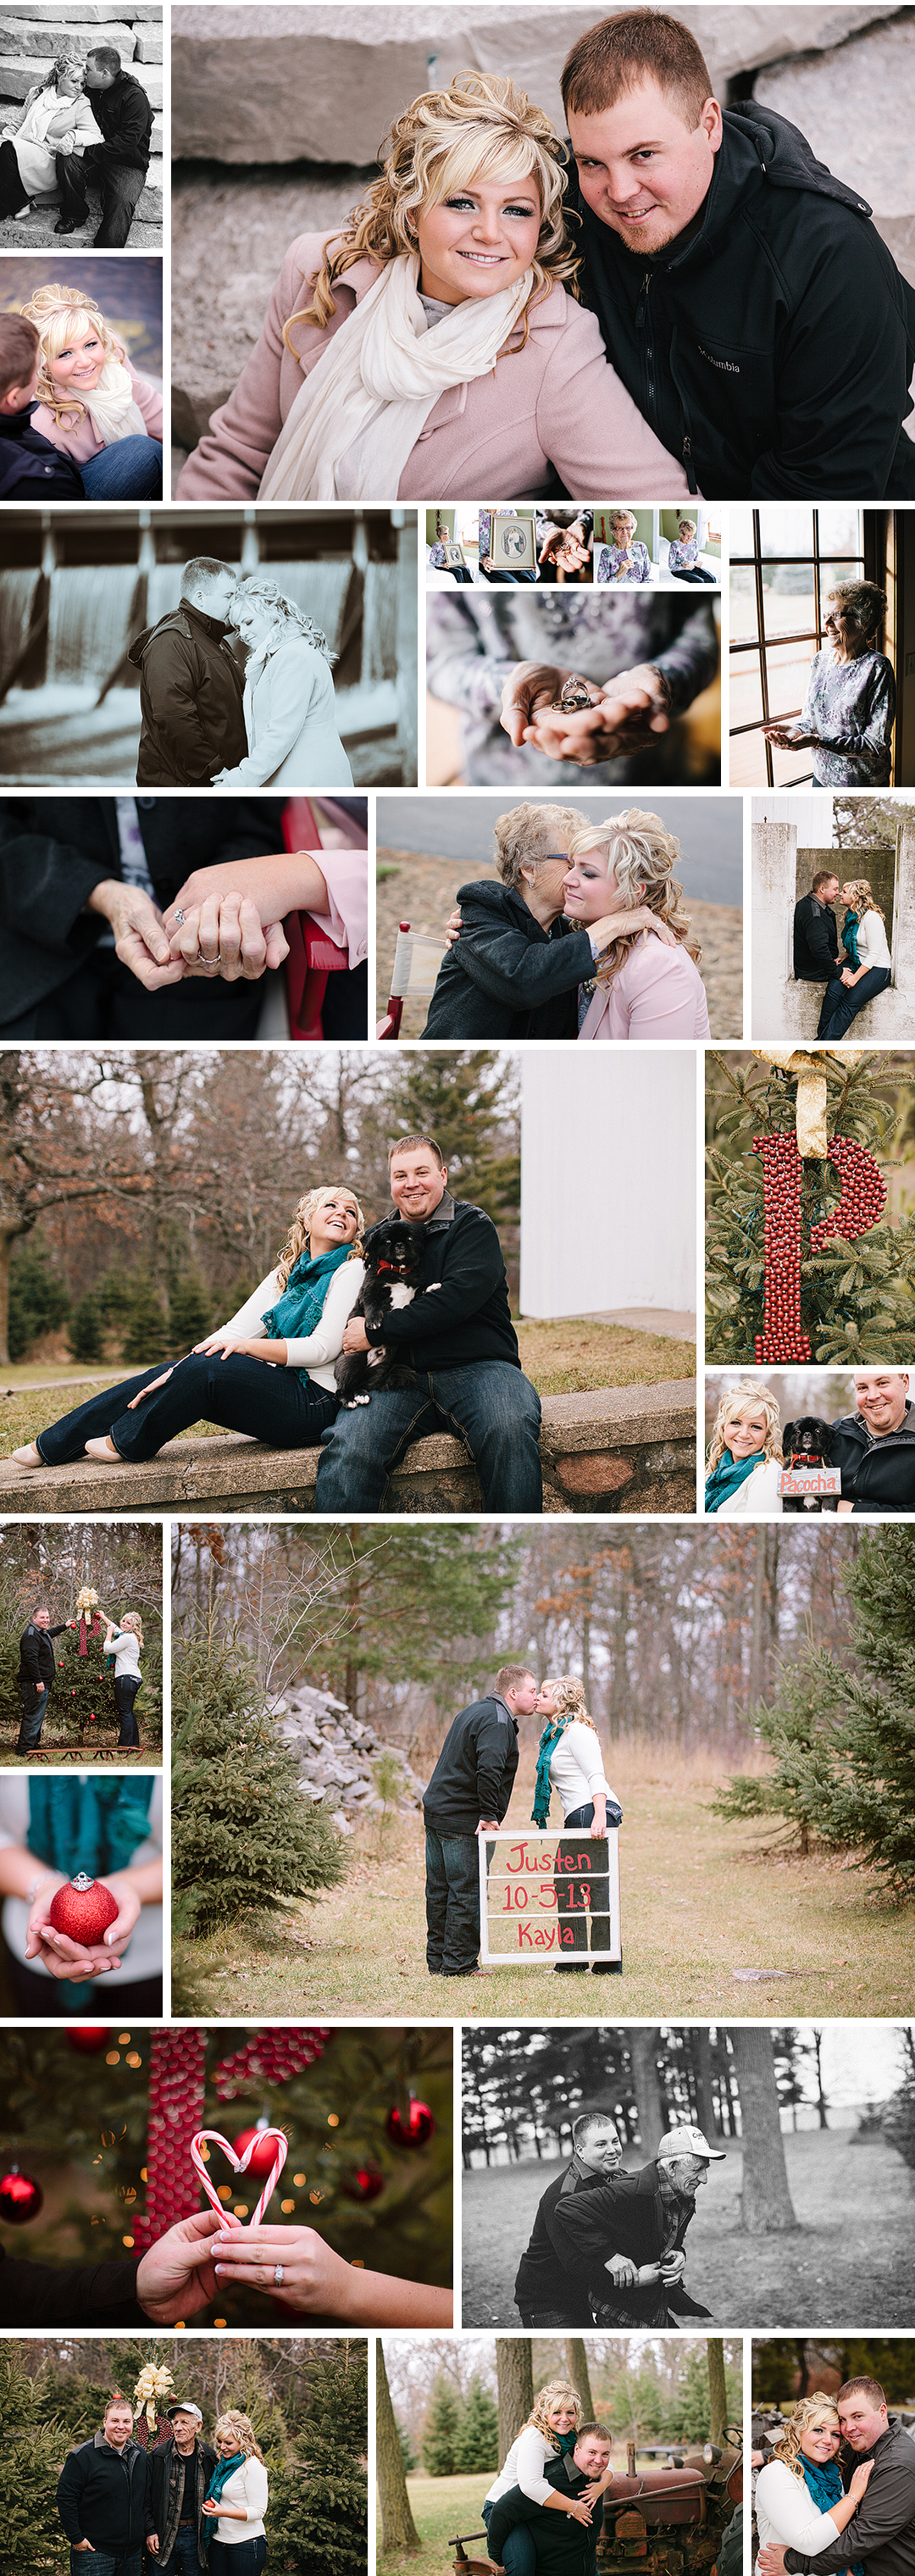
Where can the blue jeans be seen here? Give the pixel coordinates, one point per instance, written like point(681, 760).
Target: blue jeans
point(126, 1687)
point(842, 1002)
point(106, 2562)
point(271, 1404)
point(490, 1405)
point(131, 470)
point(581, 1871)
point(32, 1719)
point(519, 2555)
point(121, 188)
point(185, 2558)
point(452, 1903)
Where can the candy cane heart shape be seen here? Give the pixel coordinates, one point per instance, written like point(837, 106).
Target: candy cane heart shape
point(239, 2164)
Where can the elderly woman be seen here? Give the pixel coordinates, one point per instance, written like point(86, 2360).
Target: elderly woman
point(869, 968)
point(625, 558)
point(569, 1760)
point(236, 2500)
point(745, 1456)
point(293, 742)
point(683, 554)
point(431, 347)
point(800, 2501)
point(57, 117)
point(268, 1372)
point(91, 401)
point(620, 886)
point(850, 706)
point(514, 968)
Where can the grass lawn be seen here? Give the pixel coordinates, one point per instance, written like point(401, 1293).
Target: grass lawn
point(441, 2507)
point(714, 1926)
point(569, 1357)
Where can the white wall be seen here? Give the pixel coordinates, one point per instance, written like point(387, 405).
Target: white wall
point(608, 1179)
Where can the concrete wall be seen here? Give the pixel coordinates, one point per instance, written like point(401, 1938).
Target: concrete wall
point(780, 1007)
point(608, 1180)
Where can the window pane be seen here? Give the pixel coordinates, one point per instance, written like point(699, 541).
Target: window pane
point(741, 528)
point(788, 671)
point(831, 572)
point(788, 599)
point(743, 602)
point(786, 528)
point(840, 528)
point(748, 761)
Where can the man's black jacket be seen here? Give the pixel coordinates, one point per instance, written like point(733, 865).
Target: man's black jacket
point(36, 1654)
point(165, 2465)
point(881, 1479)
point(125, 117)
point(87, 2294)
point(563, 2547)
point(466, 1318)
point(772, 350)
point(625, 2217)
point(103, 2495)
point(507, 977)
point(31, 468)
point(553, 2275)
point(816, 941)
point(882, 2532)
point(192, 700)
point(473, 1776)
point(54, 849)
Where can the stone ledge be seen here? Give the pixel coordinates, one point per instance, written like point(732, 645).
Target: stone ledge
point(616, 1449)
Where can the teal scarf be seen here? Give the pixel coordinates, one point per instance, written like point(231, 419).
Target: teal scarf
point(850, 938)
point(548, 1743)
point(727, 1478)
point(223, 2471)
point(824, 2480)
point(95, 1825)
point(563, 2442)
point(301, 1305)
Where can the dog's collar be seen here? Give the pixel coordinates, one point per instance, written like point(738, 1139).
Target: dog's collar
point(399, 1268)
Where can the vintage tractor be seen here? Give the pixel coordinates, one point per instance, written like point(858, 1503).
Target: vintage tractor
point(660, 2522)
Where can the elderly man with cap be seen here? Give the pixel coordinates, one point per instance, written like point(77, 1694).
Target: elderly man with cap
point(180, 2474)
point(631, 2234)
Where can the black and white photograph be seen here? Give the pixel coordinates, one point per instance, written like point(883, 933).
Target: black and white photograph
point(675, 2177)
point(82, 140)
point(245, 651)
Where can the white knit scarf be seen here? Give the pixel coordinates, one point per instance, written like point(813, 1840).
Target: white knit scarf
point(357, 417)
point(111, 407)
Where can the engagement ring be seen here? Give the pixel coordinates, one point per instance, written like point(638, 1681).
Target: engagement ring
point(278, 2275)
point(574, 696)
point(181, 918)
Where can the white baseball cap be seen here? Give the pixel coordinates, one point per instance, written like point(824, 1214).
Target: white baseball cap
point(688, 2142)
point(185, 2406)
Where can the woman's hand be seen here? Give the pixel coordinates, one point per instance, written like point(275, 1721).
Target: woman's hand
point(599, 1819)
point(622, 925)
point(139, 937)
point(453, 927)
point(790, 738)
point(623, 715)
point(528, 691)
point(314, 2277)
point(580, 2511)
point(225, 937)
point(151, 1389)
point(65, 1958)
point(858, 2482)
point(225, 1342)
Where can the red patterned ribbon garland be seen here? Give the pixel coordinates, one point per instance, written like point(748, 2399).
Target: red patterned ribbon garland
point(177, 2076)
point(84, 1632)
point(860, 1206)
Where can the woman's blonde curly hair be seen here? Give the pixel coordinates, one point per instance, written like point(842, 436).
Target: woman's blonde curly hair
point(299, 1235)
point(242, 2432)
point(643, 857)
point(550, 2396)
point(569, 1700)
point(258, 586)
point(861, 897)
point(61, 314)
point(808, 2412)
point(133, 1621)
point(748, 1393)
point(482, 127)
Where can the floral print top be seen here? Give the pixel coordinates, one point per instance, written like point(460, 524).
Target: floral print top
point(682, 552)
point(616, 565)
point(851, 705)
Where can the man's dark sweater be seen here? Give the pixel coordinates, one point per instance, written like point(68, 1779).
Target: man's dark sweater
point(125, 117)
point(466, 1318)
point(507, 977)
point(816, 941)
point(36, 1654)
point(882, 2531)
point(772, 348)
point(88, 2294)
point(473, 1776)
point(627, 2216)
point(877, 1476)
point(192, 700)
point(103, 2495)
point(31, 467)
point(563, 2547)
point(553, 2276)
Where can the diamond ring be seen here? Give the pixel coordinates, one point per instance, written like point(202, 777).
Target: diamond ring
point(278, 2275)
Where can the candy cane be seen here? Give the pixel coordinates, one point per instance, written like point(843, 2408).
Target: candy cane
point(239, 2164)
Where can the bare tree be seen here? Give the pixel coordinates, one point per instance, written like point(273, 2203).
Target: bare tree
point(515, 2368)
point(766, 2207)
point(398, 2529)
point(718, 2403)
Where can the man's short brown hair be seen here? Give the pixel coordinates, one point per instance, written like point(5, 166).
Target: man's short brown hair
point(597, 2432)
point(619, 53)
point(511, 1676)
point(863, 2388)
point(18, 351)
point(824, 876)
point(408, 1144)
point(200, 572)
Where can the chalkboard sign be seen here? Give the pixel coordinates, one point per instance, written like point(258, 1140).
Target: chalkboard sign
point(548, 1896)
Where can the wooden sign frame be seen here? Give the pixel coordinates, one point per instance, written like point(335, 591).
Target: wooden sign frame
point(523, 1864)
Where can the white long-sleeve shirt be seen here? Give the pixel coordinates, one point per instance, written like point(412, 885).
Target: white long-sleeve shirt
point(873, 948)
point(125, 1647)
point(576, 1768)
point(757, 1499)
point(247, 2486)
point(786, 2513)
point(524, 2467)
point(319, 1349)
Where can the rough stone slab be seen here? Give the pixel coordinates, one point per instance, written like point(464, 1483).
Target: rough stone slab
point(148, 45)
point(87, 13)
point(620, 1416)
point(19, 73)
point(855, 107)
point(594, 1472)
point(48, 40)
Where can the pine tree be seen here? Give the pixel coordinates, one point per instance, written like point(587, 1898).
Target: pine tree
point(477, 2444)
point(319, 2507)
point(442, 2427)
point(39, 1299)
point(407, 2452)
point(798, 1726)
point(190, 1309)
point(146, 1330)
point(86, 1333)
point(244, 1835)
point(31, 2457)
point(856, 1299)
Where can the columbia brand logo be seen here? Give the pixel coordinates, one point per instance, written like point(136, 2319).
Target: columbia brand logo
point(726, 365)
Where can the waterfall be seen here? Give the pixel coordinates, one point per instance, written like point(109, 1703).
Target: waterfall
point(17, 599)
point(322, 591)
point(379, 625)
point(95, 614)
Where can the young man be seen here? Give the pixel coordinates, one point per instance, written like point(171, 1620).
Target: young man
point(118, 165)
point(191, 687)
point(36, 1673)
point(744, 295)
point(629, 2237)
point(467, 1796)
point(180, 2474)
point(875, 1446)
point(553, 2285)
point(816, 941)
point(31, 468)
point(103, 2496)
point(565, 2543)
point(459, 1337)
point(882, 2532)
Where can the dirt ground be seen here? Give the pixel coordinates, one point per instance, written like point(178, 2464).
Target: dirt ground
point(851, 2262)
point(422, 890)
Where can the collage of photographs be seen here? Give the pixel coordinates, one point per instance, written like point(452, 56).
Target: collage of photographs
point(457, 605)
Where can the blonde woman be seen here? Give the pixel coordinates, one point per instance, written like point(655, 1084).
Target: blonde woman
point(236, 2499)
point(431, 345)
point(293, 741)
point(91, 401)
point(645, 981)
point(850, 701)
point(125, 1643)
point(56, 117)
point(869, 968)
point(800, 2502)
point(569, 1760)
point(625, 558)
point(550, 2433)
point(745, 1456)
point(269, 1371)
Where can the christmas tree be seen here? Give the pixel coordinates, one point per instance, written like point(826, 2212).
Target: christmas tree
point(440, 2438)
point(190, 1308)
point(145, 1324)
point(856, 1301)
point(244, 1836)
point(477, 2444)
point(31, 2454)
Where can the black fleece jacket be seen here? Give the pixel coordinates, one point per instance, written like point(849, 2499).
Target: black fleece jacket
point(563, 2547)
point(816, 942)
point(85, 2294)
point(473, 1776)
point(192, 700)
point(125, 116)
point(466, 1318)
point(772, 350)
point(31, 467)
point(507, 977)
point(103, 2495)
point(36, 1654)
point(881, 1479)
point(554, 2275)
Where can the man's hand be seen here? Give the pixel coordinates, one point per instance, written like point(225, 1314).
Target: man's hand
point(355, 1337)
point(771, 2561)
point(624, 2273)
point(846, 977)
point(176, 2278)
point(487, 1825)
point(673, 2266)
point(625, 712)
point(153, 2540)
point(139, 937)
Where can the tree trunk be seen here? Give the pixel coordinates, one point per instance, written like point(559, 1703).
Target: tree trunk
point(766, 2207)
point(398, 2529)
point(577, 2367)
point(701, 2053)
point(515, 2374)
point(646, 2080)
point(718, 2404)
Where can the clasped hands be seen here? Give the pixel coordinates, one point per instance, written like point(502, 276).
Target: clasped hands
point(631, 2276)
point(221, 934)
point(624, 713)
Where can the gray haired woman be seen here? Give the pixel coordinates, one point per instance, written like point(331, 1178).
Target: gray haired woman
point(849, 710)
point(293, 742)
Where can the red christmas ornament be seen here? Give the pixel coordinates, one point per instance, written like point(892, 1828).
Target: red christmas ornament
point(83, 1909)
point(20, 2198)
point(88, 2038)
point(415, 2129)
point(263, 2157)
point(364, 2181)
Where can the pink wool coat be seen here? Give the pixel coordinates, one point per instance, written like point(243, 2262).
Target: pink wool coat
point(659, 993)
point(555, 402)
point(83, 443)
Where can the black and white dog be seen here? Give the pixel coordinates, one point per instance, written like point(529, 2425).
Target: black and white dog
point(392, 1257)
point(806, 1443)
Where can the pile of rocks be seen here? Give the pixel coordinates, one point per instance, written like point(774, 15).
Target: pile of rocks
point(336, 1757)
